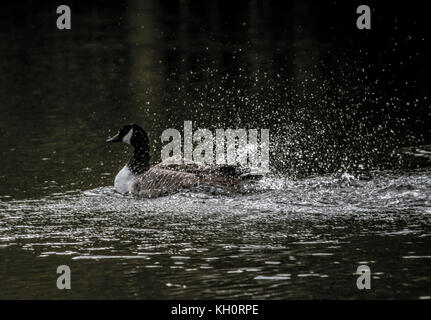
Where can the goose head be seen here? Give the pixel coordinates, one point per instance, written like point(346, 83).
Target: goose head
point(131, 134)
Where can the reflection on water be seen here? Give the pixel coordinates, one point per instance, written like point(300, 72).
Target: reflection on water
point(285, 239)
point(337, 104)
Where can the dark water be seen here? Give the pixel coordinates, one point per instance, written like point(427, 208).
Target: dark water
point(291, 239)
point(338, 103)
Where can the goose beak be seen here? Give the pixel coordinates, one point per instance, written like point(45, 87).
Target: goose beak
point(115, 138)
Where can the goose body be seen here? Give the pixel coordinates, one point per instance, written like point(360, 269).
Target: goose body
point(139, 179)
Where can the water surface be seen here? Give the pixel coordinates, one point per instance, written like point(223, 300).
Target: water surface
point(285, 239)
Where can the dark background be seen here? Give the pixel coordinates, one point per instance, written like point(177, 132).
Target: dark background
point(335, 98)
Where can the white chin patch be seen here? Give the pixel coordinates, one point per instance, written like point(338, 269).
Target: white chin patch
point(128, 136)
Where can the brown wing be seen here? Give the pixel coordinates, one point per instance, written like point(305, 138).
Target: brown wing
point(231, 171)
point(166, 178)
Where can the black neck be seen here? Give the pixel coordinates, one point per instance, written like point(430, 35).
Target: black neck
point(140, 161)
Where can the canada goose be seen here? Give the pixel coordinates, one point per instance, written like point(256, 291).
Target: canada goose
point(138, 178)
